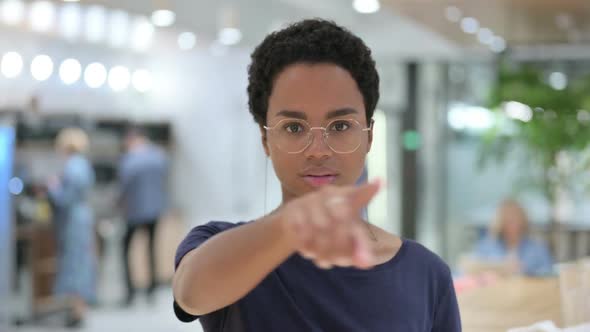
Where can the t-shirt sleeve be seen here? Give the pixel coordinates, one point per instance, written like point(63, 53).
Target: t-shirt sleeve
point(446, 316)
point(193, 240)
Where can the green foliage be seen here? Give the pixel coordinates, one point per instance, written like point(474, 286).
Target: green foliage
point(557, 124)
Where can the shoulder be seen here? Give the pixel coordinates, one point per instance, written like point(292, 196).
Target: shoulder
point(426, 261)
point(159, 150)
point(76, 161)
point(418, 251)
point(156, 151)
point(213, 227)
point(77, 165)
point(423, 261)
point(535, 245)
point(125, 159)
point(489, 243)
point(199, 234)
point(431, 270)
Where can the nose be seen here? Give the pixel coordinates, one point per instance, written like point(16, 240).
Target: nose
point(318, 148)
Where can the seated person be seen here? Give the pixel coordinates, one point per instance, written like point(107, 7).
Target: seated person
point(508, 248)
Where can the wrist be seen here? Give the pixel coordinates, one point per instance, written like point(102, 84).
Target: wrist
point(283, 230)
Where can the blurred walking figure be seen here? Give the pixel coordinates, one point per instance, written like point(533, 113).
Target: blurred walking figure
point(142, 175)
point(74, 223)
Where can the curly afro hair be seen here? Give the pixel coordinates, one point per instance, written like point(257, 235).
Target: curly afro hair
point(310, 41)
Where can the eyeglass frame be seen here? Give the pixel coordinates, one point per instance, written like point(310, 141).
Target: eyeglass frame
point(324, 135)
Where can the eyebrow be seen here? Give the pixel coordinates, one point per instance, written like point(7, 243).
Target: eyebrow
point(292, 114)
point(341, 112)
point(330, 115)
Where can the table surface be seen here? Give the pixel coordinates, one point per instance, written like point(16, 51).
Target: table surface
point(510, 303)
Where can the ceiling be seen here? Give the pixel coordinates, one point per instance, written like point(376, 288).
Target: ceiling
point(386, 32)
point(519, 22)
point(402, 29)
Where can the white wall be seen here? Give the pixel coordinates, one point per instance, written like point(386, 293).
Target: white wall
point(220, 164)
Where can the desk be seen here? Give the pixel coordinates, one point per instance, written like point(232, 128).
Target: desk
point(510, 303)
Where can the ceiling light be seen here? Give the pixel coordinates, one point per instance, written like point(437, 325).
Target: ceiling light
point(163, 18)
point(70, 20)
point(453, 14)
point(11, 65)
point(469, 25)
point(42, 15)
point(119, 78)
point(12, 12)
point(142, 33)
point(485, 36)
point(229, 36)
point(498, 44)
point(366, 6)
point(187, 41)
point(142, 80)
point(118, 28)
point(41, 67)
point(95, 23)
point(70, 71)
point(95, 75)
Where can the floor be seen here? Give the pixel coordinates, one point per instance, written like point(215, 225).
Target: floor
point(144, 316)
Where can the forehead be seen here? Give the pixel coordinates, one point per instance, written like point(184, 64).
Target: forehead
point(315, 89)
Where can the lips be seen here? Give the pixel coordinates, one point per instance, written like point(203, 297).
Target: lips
point(318, 181)
point(319, 176)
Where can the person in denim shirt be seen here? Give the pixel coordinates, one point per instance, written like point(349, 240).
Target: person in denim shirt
point(69, 194)
point(509, 241)
point(143, 173)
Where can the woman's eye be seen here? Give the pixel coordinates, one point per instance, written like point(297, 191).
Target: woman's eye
point(294, 128)
point(340, 126)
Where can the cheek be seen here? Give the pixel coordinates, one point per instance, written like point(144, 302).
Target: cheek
point(353, 165)
point(285, 165)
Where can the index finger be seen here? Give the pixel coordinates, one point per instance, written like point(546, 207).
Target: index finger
point(360, 196)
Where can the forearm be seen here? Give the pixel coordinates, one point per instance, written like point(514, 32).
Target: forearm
point(229, 265)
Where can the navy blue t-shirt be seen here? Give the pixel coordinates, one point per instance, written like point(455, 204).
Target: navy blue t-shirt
point(412, 292)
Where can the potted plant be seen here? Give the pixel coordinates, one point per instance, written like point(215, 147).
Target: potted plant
point(547, 119)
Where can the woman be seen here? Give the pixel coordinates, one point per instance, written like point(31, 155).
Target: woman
point(74, 223)
point(509, 243)
point(313, 264)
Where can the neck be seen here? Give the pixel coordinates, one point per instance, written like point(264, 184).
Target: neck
point(372, 231)
point(287, 196)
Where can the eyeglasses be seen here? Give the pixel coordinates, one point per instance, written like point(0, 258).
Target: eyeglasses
point(294, 135)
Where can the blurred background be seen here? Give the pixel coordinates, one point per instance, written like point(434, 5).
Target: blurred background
point(481, 135)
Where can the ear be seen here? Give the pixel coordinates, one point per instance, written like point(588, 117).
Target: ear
point(264, 140)
point(372, 126)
